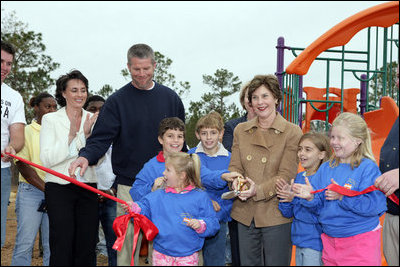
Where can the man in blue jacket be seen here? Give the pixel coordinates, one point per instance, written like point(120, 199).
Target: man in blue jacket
point(129, 120)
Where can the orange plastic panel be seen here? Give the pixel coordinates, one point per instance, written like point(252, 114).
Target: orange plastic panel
point(383, 15)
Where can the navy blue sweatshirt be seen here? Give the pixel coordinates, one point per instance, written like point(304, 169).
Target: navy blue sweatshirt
point(129, 120)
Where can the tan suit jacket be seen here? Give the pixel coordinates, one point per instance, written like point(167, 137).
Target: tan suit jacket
point(264, 156)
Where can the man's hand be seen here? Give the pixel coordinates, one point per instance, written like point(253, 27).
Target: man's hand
point(5, 157)
point(388, 182)
point(80, 162)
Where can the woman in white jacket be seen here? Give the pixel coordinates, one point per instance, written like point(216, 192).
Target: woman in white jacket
point(73, 214)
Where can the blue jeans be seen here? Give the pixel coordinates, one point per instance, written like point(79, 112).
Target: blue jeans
point(29, 220)
point(308, 257)
point(214, 247)
point(107, 214)
point(5, 197)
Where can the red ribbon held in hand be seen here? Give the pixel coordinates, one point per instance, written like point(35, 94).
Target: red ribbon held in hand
point(120, 224)
point(351, 193)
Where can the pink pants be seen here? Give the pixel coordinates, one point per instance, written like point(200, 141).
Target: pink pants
point(359, 250)
point(160, 259)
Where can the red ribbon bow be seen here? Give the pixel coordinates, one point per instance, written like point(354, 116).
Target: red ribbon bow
point(351, 193)
point(120, 227)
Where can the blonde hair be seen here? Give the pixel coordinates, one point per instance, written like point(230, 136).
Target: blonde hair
point(357, 128)
point(211, 120)
point(189, 164)
point(321, 141)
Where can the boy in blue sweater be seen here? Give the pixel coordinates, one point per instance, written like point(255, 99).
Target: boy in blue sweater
point(171, 136)
point(214, 156)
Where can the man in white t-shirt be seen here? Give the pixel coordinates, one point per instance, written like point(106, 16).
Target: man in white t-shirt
point(12, 130)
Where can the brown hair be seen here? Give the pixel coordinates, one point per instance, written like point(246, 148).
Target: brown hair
point(189, 164)
point(171, 123)
point(321, 141)
point(211, 120)
point(270, 81)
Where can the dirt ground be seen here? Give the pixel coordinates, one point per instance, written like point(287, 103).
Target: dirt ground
point(7, 250)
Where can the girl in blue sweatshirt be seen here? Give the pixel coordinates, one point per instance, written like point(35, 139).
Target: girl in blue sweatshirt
point(306, 231)
point(350, 225)
point(182, 212)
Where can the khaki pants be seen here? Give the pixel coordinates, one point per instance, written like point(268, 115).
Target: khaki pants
point(390, 236)
point(124, 256)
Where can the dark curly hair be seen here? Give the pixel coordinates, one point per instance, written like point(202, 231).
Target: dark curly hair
point(61, 85)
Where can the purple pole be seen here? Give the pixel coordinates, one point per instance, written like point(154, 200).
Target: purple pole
point(280, 59)
point(363, 94)
point(279, 65)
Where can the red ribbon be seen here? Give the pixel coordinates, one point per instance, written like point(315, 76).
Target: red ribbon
point(120, 224)
point(120, 227)
point(351, 193)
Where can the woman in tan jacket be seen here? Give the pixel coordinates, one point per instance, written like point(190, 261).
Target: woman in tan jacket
point(264, 149)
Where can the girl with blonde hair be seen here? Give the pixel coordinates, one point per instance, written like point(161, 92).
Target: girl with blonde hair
point(182, 212)
point(347, 221)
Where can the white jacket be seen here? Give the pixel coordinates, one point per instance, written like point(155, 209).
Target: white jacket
point(55, 153)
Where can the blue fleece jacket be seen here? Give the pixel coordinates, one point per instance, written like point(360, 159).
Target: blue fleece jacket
point(219, 162)
point(155, 167)
point(306, 230)
point(167, 211)
point(351, 215)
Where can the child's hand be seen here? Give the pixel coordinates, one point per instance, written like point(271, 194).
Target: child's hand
point(127, 208)
point(332, 195)
point(284, 191)
point(303, 190)
point(230, 176)
point(193, 223)
point(280, 184)
point(216, 205)
point(158, 183)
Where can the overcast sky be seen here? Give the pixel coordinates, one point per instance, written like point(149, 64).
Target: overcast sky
point(200, 37)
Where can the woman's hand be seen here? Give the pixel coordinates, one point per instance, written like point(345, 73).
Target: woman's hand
point(87, 125)
point(244, 195)
point(303, 190)
point(332, 195)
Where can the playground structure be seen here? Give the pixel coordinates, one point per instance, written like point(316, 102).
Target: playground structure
point(373, 69)
point(377, 95)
